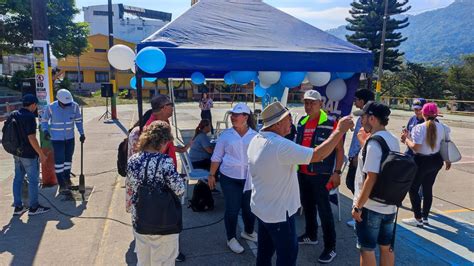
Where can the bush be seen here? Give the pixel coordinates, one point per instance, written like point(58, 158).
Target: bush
point(19, 76)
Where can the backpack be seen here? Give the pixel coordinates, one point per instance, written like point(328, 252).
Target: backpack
point(202, 198)
point(122, 157)
point(12, 140)
point(397, 172)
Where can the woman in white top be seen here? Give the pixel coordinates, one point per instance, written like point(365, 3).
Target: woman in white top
point(425, 142)
point(230, 154)
point(206, 104)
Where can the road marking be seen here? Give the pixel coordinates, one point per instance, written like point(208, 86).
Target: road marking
point(457, 211)
point(464, 162)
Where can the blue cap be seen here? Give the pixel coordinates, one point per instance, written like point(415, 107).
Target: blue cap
point(418, 103)
point(29, 99)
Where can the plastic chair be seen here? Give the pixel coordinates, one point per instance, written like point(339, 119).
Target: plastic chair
point(336, 190)
point(224, 122)
point(191, 173)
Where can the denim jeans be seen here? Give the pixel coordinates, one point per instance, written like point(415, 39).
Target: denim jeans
point(30, 167)
point(314, 198)
point(236, 199)
point(375, 228)
point(63, 151)
point(279, 237)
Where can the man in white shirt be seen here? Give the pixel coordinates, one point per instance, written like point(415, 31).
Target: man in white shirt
point(374, 220)
point(275, 192)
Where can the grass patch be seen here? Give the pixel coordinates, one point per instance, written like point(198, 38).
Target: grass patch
point(96, 100)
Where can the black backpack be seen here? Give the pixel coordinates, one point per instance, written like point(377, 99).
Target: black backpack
point(397, 172)
point(202, 198)
point(12, 139)
point(122, 157)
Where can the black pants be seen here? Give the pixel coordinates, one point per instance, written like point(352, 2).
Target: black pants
point(428, 168)
point(350, 177)
point(314, 197)
point(206, 114)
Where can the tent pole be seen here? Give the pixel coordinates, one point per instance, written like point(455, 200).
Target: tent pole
point(174, 121)
point(139, 97)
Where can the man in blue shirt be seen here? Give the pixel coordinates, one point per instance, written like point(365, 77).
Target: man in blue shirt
point(416, 119)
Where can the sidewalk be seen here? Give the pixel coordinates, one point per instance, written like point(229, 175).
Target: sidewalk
point(100, 232)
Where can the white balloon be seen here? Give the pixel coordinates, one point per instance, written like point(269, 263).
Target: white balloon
point(269, 77)
point(305, 80)
point(121, 57)
point(264, 85)
point(336, 90)
point(319, 79)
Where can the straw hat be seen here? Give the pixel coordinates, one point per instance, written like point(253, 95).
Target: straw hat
point(273, 114)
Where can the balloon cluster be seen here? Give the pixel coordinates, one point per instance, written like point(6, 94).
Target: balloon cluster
point(150, 59)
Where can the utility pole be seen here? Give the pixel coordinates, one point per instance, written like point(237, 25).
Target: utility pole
point(113, 101)
point(378, 88)
point(43, 81)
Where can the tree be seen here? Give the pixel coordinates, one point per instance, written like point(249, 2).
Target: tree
point(66, 37)
point(423, 81)
point(366, 22)
point(461, 79)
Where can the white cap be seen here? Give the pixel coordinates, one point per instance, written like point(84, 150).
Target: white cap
point(240, 108)
point(312, 95)
point(64, 96)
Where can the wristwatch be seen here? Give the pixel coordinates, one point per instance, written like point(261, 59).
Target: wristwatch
point(339, 172)
point(357, 209)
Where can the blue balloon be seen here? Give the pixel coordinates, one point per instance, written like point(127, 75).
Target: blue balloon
point(243, 77)
point(150, 79)
point(276, 90)
point(133, 83)
point(228, 79)
point(198, 78)
point(344, 75)
point(151, 60)
point(292, 79)
point(259, 91)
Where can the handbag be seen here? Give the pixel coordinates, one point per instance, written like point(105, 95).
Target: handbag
point(448, 149)
point(158, 211)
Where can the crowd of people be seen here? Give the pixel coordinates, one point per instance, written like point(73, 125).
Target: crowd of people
point(266, 175)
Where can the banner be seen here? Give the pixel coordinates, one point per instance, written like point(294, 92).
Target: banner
point(42, 74)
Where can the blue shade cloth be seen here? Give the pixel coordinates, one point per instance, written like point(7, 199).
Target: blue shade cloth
point(218, 36)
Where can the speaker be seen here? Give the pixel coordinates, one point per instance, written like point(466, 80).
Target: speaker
point(106, 90)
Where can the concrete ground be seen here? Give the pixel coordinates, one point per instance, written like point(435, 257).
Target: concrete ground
point(98, 232)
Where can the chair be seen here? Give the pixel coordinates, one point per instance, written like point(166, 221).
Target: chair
point(294, 116)
point(225, 122)
point(191, 173)
point(336, 190)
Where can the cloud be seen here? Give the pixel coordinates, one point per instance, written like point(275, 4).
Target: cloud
point(323, 19)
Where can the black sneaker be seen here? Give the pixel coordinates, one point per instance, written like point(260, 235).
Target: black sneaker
point(180, 257)
point(306, 240)
point(38, 210)
point(64, 190)
point(327, 256)
point(19, 211)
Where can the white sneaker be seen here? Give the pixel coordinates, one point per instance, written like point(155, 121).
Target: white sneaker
point(413, 222)
point(351, 223)
point(252, 237)
point(235, 246)
point(426, 221)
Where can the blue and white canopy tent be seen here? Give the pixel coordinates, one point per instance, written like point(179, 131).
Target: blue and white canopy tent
point(215, 37)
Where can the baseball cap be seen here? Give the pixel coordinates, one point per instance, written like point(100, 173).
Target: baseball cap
point(29, 99)
point(376, 109)
point(159, 101)
point(430, 109)
point(312, 95)
point(240, 108)
point(418, 103)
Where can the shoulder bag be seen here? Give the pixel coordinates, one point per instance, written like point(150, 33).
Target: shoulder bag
point(448, 149)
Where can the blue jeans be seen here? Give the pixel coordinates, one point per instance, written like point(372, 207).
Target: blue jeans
point(375, 228)
point(30, 167)
point(236, 199)
point(279, 237)
point(63, 151)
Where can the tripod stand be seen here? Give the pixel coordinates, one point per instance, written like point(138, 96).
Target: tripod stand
point(107, 115)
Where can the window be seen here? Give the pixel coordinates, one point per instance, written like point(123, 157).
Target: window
point(98, 50)
point(101, 77)
point(139, 28)
point(101, 13)
point(72, 76)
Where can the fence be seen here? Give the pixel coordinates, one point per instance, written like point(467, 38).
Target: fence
point(446, 106)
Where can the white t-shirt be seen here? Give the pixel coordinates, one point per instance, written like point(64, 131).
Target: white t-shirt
point(231, 152)
point(418, 135)
point(372, 164)
point(273, 161)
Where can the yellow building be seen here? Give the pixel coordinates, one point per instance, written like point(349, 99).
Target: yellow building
point(94, 66)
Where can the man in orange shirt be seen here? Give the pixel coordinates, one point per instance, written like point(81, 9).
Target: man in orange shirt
point(315, 178)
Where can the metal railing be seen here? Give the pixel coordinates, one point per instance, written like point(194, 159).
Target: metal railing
point(446, 106)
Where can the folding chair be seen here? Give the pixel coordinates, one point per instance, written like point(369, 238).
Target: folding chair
point(336, 190)
point(191, 173)
point(224, 122)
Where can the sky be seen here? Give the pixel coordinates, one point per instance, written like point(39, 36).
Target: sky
point(324, 14)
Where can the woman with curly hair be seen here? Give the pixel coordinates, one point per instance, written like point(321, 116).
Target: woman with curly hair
point(151, 167)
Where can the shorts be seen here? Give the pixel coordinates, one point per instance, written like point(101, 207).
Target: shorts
point(375, 228)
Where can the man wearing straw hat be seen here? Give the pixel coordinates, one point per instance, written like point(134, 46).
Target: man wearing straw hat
point(273, 161)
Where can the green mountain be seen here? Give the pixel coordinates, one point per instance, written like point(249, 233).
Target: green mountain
point(439, 36)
